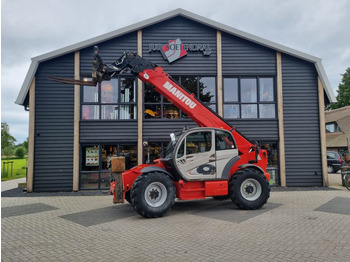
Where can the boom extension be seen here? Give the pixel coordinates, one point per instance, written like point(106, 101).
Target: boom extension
point(163, 84)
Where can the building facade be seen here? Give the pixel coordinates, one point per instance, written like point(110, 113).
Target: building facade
point(271, 93)
point(338, 129)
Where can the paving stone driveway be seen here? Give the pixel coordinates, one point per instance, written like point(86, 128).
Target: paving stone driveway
point(295, 225)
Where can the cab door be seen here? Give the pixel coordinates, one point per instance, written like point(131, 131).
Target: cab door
point(195, 157)
point(226, 153)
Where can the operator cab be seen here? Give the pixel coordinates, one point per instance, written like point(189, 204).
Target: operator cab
point(201, 154)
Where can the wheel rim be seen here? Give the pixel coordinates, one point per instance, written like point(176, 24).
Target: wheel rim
point(330, 169)
point(251, 189)
point(155, 194)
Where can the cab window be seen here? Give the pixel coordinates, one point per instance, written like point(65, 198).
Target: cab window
point(223, 140)
point(198, 142)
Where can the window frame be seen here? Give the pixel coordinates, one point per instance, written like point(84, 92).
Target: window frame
point(336, 128)
point(259, 101)
point(164, 102)
point(100, 171)
point(101, 104)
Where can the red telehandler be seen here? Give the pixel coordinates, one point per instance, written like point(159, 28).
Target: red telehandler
point(213, 160)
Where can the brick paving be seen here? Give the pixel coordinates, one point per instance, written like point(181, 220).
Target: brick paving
point(295, 225)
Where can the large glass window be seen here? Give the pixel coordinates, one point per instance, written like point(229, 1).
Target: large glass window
point(154, 151)
point(110, 100)
point(158, 107)
point(198, 142)
point(249, 97)
point(96, 163)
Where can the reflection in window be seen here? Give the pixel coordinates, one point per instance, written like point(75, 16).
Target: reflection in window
point(267, 110)
point(266, 89)
point(223, 140)
point(249, 97)
point(332, 128)
point(230, 89)
point(90, 112)
point(190, 83)
point(157, 106)
point(249, 111)
point(117, 100)
point(109, 91)
point(207, 89)
point(248, 90)
point(90, 94)
point(231, 111)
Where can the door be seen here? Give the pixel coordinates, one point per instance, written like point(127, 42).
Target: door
point(195, 157)
point(226, 153)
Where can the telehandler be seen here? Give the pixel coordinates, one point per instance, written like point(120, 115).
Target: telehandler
point(212, 160)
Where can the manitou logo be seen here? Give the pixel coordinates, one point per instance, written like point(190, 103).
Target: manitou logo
point(181, 96)
point(173, 50)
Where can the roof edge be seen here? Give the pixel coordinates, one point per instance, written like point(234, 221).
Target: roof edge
point(157, 19)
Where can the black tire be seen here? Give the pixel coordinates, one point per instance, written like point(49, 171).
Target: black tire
point(221, 197)
point(127, 197)
point(152, 194)
point(249, 189)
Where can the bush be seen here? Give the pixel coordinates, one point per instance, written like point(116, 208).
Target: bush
point(20, 152)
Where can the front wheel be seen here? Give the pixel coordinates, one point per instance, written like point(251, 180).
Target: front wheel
point(152, 194)
point(249, 189)
point(346, 180)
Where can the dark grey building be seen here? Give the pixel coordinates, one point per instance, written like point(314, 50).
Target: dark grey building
point(271, 93)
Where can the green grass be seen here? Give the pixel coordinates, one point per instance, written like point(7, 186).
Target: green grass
point(18, 169)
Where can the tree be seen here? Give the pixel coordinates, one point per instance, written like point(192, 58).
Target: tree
point(343, 97)
point(7, 141)
point(20, 152)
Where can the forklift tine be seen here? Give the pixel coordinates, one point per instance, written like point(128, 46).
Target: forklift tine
point(73, 81)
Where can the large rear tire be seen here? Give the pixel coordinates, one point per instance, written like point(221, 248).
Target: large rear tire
point(249, 189)
point(152, 194)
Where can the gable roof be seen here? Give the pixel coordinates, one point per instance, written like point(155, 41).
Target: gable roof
point(177, 12)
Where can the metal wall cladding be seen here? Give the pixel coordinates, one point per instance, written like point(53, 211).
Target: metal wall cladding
point(301, 123)
point(109, 50)
point(189, 32)
point(242, 57)
point(108, 131)
point(160, 130)
point(54, 126)
point(258, 129)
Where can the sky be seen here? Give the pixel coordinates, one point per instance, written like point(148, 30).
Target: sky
point(30, 28)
